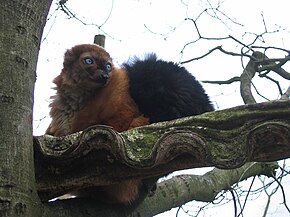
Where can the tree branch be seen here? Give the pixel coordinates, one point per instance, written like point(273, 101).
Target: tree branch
point(220, 49)
point(182, 189)
point(259, 63)
point(170, 193)
point(286, 95)
point(246, 80)
point(224, 139)
point(229, 81)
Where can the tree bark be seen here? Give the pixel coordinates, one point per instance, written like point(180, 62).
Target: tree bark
point(21, 25)
point(185, 188)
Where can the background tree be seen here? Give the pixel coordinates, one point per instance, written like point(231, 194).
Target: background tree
point(19, 54)
point(21, 30)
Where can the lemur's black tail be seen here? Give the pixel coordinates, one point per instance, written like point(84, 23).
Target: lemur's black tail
point(164, 90)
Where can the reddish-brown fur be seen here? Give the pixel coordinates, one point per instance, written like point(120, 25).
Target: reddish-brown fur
point(82, 100)
point(111, 105)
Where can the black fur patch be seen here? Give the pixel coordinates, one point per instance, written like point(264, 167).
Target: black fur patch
point(164, 90)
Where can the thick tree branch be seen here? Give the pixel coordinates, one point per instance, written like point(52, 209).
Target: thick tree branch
point(170, 193)
point(224, 139)
point(185, 188)
point(246, 80)
point(270, 65)
point(259, 63)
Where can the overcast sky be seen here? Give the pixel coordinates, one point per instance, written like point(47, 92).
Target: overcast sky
point(135, 27)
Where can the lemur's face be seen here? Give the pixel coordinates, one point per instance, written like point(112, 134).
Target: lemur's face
point(88, 65)
point(96, 68)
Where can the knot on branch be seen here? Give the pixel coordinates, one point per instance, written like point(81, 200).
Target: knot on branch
point(179, 142)
point(270, 139)
point(80, 143)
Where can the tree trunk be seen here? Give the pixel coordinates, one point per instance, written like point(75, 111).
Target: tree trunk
point(21, 25)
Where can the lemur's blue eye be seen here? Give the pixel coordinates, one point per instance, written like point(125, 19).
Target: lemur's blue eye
point(88, 61)
point(108, 67)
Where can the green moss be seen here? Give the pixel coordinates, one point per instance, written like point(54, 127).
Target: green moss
point(139, 143)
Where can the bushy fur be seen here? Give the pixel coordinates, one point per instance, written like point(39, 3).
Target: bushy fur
point(165, 91)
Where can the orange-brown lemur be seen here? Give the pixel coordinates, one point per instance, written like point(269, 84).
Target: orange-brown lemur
point(90, 91)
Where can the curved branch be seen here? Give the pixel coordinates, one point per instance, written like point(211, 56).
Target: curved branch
point(259, 63)
point(247, 76)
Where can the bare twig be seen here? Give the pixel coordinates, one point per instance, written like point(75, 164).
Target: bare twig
point(273, 80)
point(234, 200)
point(217, 12)
point(270, 47)
point(229, 81)
point(63, 7)
point(264, 22)
point(283, 193)
point(217, 48)
point(109, 14)
point(269, 196)
point(242, 210)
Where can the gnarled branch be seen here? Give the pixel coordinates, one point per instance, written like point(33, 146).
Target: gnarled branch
point(224, 139)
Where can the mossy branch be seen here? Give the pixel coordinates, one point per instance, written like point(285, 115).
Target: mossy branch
point(225, 139)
